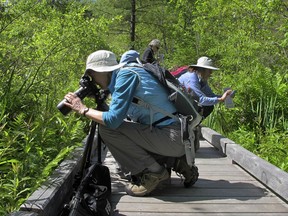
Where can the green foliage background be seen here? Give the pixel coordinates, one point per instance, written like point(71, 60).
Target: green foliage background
point(43, 49)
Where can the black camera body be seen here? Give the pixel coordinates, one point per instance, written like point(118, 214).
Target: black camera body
point(87, 88)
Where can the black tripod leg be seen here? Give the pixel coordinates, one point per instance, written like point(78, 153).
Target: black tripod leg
point(87, 150)
point(99, 145)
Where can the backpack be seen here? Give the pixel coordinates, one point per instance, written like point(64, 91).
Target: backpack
point(188, 110)
point(179, 71)
point(92, 186)
point(184, 101)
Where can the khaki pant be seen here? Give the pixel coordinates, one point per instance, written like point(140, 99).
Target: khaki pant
point(131, 143)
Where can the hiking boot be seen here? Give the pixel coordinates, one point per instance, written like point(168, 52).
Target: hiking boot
point(148, 182)
point(190, 173)
point(165, 183)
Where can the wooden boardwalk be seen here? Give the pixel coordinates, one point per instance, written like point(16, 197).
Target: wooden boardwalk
point(232, 182)
point(223, 189)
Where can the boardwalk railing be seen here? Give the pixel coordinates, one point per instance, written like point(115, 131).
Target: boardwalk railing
point(270, 175)
point(50, 197)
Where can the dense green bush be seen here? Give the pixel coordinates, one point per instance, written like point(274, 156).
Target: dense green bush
point(252, 57)
point(42, 54)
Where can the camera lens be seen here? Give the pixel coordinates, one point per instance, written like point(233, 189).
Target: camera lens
point(63, 108)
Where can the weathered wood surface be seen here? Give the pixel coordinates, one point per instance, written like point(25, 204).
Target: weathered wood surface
point(223, 188)
point(268, 174)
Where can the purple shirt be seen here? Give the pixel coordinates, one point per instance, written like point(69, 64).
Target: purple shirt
point(191, 80)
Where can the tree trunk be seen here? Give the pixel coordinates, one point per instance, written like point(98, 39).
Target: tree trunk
point(133, 23)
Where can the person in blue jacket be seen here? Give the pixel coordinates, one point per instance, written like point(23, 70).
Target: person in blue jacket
point(196, 81)
point(133, 142)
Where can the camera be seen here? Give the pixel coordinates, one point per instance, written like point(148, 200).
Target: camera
point(87, 88)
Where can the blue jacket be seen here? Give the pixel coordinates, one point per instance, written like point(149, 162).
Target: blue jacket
point(128, 83)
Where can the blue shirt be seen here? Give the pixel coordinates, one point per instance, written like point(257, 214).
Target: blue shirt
point(128, 83)
point(190, 80)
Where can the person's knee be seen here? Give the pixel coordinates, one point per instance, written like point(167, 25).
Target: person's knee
point(104, 131)
point(101, 129)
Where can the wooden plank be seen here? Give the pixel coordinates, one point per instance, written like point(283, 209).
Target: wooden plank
point(214, 161)
point(197, 214)
point(218, 167)
point(208, 183)
point(178, 208)
point(23, 213)
point(211, 192)
point(193, 199)
point(211, 183)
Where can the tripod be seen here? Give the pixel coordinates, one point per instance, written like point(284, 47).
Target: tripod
point(92, 186)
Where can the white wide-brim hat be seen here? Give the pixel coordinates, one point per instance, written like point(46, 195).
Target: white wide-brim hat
point(204, 62)
point(102, 61)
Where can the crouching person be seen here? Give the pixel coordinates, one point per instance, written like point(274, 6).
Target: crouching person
point(133, 143)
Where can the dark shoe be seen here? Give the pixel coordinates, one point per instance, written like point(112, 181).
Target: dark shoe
point(148, 182)
point(190, 173)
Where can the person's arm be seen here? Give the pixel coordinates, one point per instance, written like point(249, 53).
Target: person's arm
point(125, 86)
point(191, 82)
point(224, 96)
point(75, 103)
point(209, 98)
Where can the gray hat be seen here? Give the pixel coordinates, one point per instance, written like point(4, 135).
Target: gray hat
point(204, 62)
point(155, 42)
point(102, 61)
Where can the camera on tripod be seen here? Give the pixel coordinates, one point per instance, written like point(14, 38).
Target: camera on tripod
point(87, 88)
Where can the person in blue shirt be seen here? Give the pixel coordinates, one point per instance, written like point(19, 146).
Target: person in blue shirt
point(133, 142)
point(196, 81)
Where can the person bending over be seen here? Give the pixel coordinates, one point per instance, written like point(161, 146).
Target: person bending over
point(196, 81)
point(133, 142)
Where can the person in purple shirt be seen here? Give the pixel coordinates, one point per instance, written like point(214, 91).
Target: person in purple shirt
point(134, 142)
point(196, 81)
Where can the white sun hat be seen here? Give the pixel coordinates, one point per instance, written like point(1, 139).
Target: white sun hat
point(204, 62)
point(102, 61)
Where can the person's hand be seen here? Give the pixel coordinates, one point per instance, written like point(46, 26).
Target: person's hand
point(226, 93)
point(232, 95)
point(74, 102)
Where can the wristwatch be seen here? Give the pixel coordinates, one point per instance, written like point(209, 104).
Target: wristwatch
point(85, 111)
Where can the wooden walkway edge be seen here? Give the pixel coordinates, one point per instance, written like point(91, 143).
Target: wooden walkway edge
point(232, 181)
point(270, 175)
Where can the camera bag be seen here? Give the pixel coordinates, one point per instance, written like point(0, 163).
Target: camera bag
point(93, 188)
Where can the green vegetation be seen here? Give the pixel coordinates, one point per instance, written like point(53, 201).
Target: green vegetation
point(43, 49)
